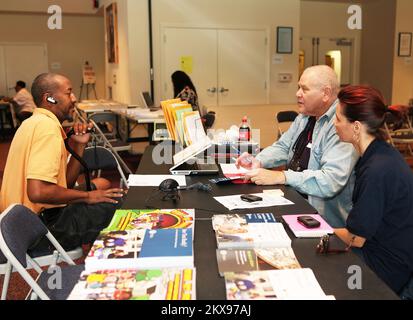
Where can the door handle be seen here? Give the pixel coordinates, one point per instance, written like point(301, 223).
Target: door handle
point(212, 90)
point(222, 90)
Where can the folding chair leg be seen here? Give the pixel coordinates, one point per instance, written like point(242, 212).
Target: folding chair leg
point(6, 281)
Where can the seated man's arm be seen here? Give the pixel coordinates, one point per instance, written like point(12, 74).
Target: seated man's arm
point(48, 193)
point(78, 143)
point(337, 160)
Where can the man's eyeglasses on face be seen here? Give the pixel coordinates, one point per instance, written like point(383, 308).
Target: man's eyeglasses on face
point(325, 247)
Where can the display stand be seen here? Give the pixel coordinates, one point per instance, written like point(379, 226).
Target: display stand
point(88, 80)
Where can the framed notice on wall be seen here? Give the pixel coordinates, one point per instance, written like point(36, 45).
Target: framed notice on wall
point(405, 44)
point(284, 40)
point(112, 33)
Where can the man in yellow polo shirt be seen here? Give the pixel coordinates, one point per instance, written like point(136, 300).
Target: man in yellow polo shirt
point(38, 175)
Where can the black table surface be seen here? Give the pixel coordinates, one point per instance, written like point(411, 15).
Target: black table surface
point(335, 273)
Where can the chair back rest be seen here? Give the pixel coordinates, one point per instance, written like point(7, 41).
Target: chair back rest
point(20, 229)
point(286, 116)
point(98, 158)
point(3, 259)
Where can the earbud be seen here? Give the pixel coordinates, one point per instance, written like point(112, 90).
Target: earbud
point(51, 100)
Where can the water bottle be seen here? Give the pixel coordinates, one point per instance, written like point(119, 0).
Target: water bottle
point(244, 130)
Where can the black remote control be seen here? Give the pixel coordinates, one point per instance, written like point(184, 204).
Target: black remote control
point(225, 180)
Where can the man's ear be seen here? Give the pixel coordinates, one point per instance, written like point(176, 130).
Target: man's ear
point(327, 93)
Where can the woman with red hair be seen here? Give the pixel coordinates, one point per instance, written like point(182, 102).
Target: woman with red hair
point(380, 223)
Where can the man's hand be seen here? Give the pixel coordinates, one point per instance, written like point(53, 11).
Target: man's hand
point(247, 161)
point(265, 177)
point(98, 196)
point(81, 135)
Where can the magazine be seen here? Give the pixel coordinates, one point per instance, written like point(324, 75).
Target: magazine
point(255, 230)
point(151, 219)
point(236, 260)
point(150, 249)
point(292, 284)
point(134, 284)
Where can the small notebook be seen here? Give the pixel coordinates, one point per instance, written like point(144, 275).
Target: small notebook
point(301, 231)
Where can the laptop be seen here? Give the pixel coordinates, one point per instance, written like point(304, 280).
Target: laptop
point(191, 160)
point(147, 101)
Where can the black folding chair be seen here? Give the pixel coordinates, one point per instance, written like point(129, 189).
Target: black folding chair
point(284, 119)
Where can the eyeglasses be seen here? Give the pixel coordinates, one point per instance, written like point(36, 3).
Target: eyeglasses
point(325, 246)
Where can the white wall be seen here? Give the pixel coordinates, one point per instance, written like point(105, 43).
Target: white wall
point(403, 67)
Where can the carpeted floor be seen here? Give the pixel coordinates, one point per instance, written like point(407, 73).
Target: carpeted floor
point(18, 289)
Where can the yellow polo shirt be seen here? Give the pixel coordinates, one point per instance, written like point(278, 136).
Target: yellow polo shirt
point(36, 152)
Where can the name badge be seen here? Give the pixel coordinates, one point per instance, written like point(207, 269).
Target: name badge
point(309, 145)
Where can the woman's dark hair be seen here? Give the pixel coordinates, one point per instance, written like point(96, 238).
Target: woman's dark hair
point(366, 104)
point(180, 80)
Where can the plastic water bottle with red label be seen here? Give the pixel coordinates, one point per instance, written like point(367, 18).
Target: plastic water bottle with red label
point(244, 130)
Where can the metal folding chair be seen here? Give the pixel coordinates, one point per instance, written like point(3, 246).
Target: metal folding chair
point(99, 158)
point(20, 230)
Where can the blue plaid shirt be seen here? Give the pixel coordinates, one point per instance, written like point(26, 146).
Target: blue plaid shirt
point(329, 179)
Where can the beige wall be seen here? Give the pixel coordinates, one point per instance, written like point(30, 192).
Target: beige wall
point(80, 40)
point(131, 75)
point(68, 6)
point(132, 72)
point(403, 67)
point(376, 65)
point(240, 13)
point(264, 120)
point(331, 22)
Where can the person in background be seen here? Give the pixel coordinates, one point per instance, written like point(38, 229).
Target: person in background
point(318, 164)
point(22, 101)
point(185, 90)
point(381, 220)
point(39, 176)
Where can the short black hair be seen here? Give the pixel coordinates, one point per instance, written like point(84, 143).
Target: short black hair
point(21, 84)
point(44, 83)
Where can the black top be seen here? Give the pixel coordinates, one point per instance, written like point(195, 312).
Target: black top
point(383, 213)
point(302, 151)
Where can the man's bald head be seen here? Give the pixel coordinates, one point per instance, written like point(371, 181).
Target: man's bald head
point(45, 83)
point(323, 76)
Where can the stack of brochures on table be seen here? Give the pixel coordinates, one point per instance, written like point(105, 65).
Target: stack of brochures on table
point(294, 284)
point(150, 239)
point(133, 284)
point(252, 242)
point(301, 231)
point(184, 125)
point(141, 254)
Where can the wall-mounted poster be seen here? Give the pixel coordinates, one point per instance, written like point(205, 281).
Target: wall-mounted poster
point(112, 33)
